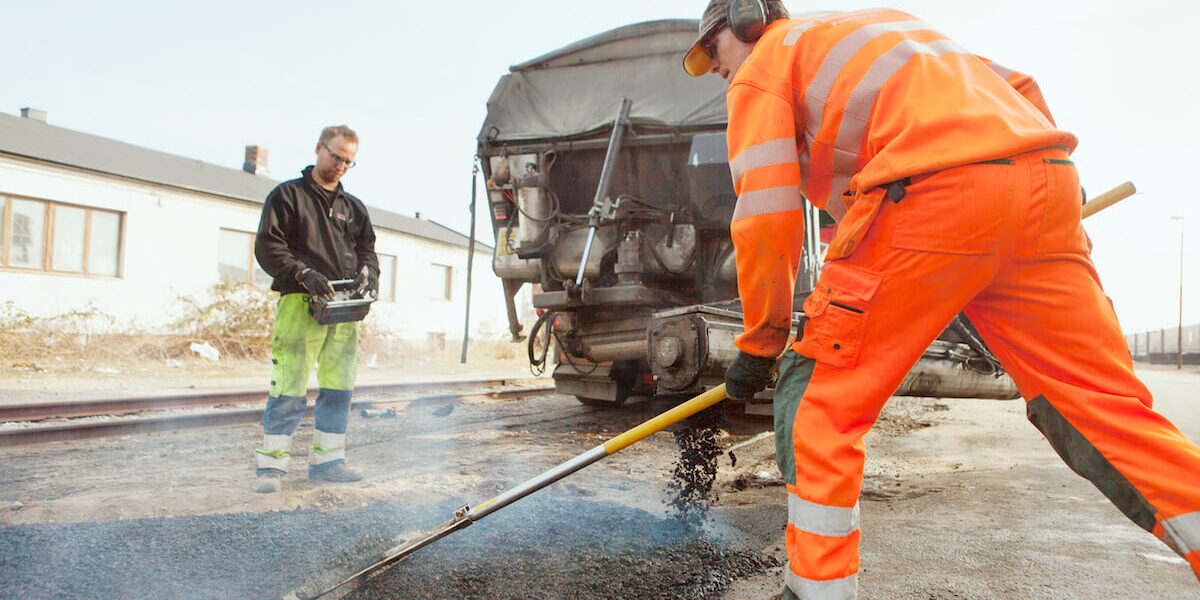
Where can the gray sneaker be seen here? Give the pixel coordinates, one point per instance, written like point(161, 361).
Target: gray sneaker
point(337, 472)
point(269, 483)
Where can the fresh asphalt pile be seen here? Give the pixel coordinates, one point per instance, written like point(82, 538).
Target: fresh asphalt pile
point(549, 546)
point(574, 549)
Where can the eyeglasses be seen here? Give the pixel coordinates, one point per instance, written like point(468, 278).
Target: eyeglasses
point(338, 159)
point(708, 45)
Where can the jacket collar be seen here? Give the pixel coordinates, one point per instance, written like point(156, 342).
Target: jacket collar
point(308, 178)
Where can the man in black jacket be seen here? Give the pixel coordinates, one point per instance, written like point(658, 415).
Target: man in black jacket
point(311, 232)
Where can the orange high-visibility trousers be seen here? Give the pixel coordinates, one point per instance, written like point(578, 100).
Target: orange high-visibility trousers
point(1003, 242)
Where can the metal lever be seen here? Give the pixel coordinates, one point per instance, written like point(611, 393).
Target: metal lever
point(594, 215)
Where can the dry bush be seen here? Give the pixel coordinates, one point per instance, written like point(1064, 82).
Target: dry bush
point(82, 334)
point(236, 318)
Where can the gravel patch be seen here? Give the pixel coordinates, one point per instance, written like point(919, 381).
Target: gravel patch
point(545, 547)
point(576, 550)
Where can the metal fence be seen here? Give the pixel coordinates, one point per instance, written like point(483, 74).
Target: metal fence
point(1161, 346)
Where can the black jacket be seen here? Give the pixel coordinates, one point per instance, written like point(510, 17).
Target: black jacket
point(306, 226)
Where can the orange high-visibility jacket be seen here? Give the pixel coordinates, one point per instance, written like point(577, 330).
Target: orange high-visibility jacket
point(835, 106)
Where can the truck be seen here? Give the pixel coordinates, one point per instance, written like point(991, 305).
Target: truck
point(609, 192)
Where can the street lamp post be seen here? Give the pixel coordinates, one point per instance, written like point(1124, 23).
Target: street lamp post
point(1179, 331)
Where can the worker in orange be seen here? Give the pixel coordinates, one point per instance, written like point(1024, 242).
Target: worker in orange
point(953, 191)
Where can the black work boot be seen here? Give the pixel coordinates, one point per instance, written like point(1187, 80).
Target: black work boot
point(269, 482)
point(336, 472)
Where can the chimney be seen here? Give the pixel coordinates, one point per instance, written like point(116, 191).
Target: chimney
point(417, 215)
point(256, 160)
point(36, 114)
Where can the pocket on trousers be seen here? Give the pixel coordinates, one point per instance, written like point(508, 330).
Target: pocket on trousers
point(1062, 228)
point(956, 211)
point(836, 315)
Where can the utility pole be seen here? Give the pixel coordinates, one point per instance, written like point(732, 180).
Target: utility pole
point(1179, 331)
point(470, 263)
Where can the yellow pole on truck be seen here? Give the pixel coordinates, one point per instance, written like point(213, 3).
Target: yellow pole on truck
point(466, 515)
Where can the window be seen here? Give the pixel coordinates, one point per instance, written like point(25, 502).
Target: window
point(104, 244)
point(70, 229)
point(387, 278)
point(62, 238)
point(3, 229)
point(441, 281)
point(235, 259)
point(28, 234)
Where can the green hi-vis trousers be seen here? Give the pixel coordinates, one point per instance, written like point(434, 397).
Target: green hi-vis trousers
point(299, 341)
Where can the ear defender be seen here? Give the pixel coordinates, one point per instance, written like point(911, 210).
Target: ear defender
point(747, 19)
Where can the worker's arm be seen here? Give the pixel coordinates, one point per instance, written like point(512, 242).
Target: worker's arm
point(1024, 84)
point(270, 245)
point(768, 222)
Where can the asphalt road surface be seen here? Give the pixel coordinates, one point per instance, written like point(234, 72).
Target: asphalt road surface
point(962, 500)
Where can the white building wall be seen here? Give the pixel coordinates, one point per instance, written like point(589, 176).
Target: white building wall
point(420, 309)
point(169, 249)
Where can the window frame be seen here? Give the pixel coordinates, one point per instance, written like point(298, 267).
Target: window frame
point(52, 231)
point(6, 225)
point(392, 280)
point(48, 225)
point(252, 263)
point(447, 294)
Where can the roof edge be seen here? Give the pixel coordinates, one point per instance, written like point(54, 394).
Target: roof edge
point(218, 195)
point(457, 232)
point(173, 186)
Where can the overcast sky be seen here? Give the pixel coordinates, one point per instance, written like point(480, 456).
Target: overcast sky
point(205, 79)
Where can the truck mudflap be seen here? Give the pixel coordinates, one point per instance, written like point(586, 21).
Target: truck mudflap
point(609, 383)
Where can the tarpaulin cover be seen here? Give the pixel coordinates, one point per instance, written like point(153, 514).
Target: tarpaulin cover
point(577, 89)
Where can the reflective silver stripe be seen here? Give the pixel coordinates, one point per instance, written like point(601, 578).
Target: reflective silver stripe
point(1002, 71)
point(862, 99)
point(805, 160)
point(274, 442)
point(853, 128)
point(270, 462)
point(277, 442)
point(774, 152)
point(333, 447)
point(831, 68)
point(819, 519)
point(1184, 532)
point(794, 33)
point(835, 204)
point(844, 167)
point(845, 588)
point(770, 200)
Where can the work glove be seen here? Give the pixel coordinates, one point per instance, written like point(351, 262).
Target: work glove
point(316, 284)
point(367, 282)
point(748, 375)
